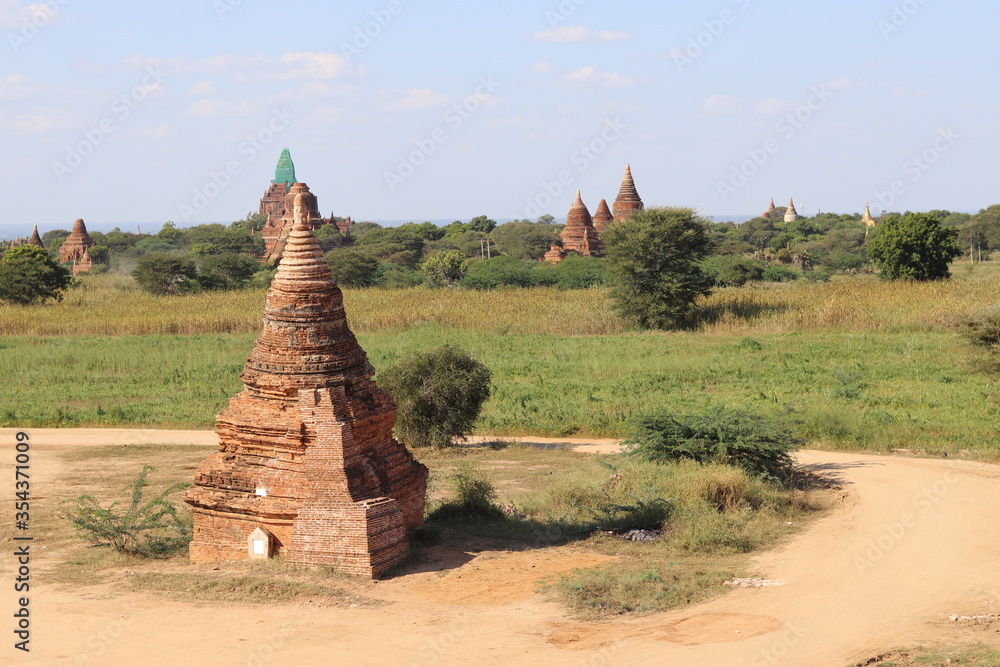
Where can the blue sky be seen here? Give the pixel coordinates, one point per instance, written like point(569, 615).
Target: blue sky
point(144, 112)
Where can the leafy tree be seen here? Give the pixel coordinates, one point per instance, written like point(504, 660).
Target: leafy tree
point(913, 246)
point(779, 274)
point(444, 269)
point(546, 219)
point(425, 230)
point(439, 393)
point(29, 275)
point(53, 235)
point(100, 254)
point(253, 222)
point(228, 270)
point(150, 528)
point(399, 245)
point(747, 440)
point(164, 273)
point(654, 262)
point(482, 224)
point(524, 240)
point(329, 235)
point(360, 229)
point(497, 272)
point(352, 268)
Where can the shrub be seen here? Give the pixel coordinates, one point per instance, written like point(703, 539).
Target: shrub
point(913, 246)
point(439, 393)
point(574, 272)
point(841, 260)
point(747, 440)
point(730, 270)
point(151, 528)
point(474, 500)
point(444, 269)
point(778, 274)
point(497, 272)
point(353, 268)
point(164, 273)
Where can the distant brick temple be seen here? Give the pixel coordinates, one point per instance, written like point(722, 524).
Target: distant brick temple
point(306, 455)
point(35, 239)
point(279, 202)
point(628, 201)
point(582, 233)
point(76, 243)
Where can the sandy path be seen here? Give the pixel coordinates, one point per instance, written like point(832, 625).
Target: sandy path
point(914, 541)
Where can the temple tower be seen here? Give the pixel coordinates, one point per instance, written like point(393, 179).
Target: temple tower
point(770, 210)
point(272, 204)
point(35, 239)
point(74, 245)
point(306, 452)
point(791, 215)
point(579, 235)
point(602, 217)
point(628, 201)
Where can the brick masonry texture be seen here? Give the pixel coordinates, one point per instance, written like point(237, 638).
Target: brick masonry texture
point(306, 449)
point(74, 245)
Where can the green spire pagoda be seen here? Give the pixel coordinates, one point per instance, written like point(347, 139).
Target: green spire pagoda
point(285, 171)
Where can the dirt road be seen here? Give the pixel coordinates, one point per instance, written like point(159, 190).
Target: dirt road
point(913, 541)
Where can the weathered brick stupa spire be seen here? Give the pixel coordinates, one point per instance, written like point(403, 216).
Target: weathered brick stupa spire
point(602, 217)
point(770, 210)
point(628, 201)
point(791, 215)
point(74, 245)
point(579, 235)
point(35, 239)
point(306, 454)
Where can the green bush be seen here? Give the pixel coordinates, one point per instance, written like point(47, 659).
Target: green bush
point(841, 260)
point(28, 275)
point(778, 274)
point(497, 272)
point(165, 273)
point(473, 501)
point(439, 393)
point(747, 440)
point(731, 270)
point(145, 528)
point(574, 272)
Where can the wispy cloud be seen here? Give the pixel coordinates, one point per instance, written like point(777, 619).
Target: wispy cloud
point(416, 98)
point(579, 33)
point(591, 76)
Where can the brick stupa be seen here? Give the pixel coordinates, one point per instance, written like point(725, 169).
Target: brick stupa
point(627, 202)
point(74, 245)
point(35, 239)
point(602, 217)
point(579, 236)
point(306, 450)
